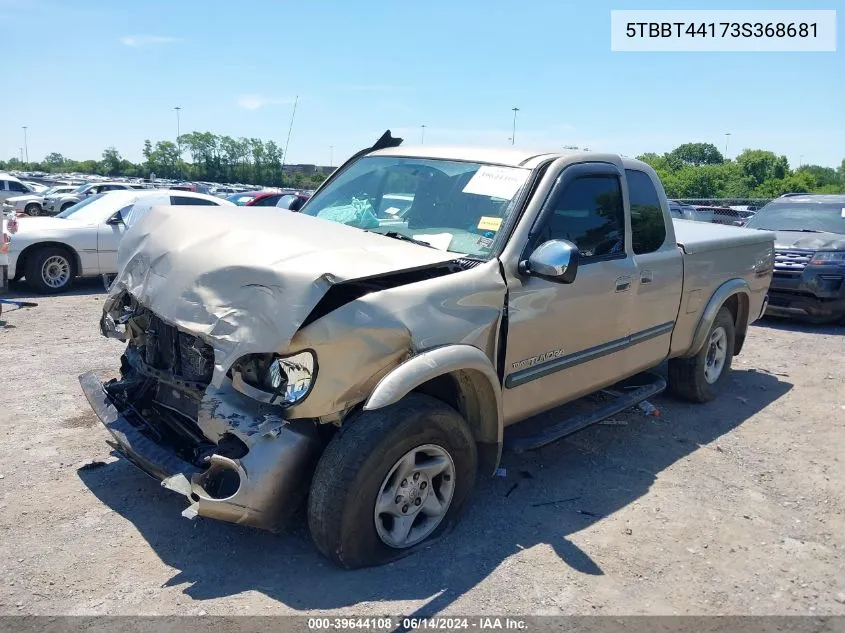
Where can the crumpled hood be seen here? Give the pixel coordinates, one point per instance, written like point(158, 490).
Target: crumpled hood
point(809, 241)
point(245, 281)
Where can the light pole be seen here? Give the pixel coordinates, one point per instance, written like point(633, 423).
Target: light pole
point(178, 138)
point(21, 149)
point(727, 139)
point(25, 145)
point(422, 134)
point(331, 155)
point(513, 134)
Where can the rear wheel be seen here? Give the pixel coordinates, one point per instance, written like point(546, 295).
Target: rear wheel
point(50, 270)
point(390, 480)
point(699, 378)
point(32, 209)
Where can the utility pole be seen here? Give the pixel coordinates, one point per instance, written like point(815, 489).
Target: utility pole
point(727, 138)
point(422, 135)
point(179, 139)
point(21, 149)
point(25, 145)
point(513, 134)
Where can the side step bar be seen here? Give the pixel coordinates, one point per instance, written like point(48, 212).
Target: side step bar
point(626, 398)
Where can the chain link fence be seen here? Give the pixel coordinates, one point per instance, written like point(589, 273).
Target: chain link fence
point(729, 211)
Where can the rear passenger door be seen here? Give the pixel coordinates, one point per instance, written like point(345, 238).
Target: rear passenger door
point(658, 280)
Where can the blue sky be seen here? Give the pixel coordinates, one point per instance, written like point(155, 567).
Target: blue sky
point(87, 74)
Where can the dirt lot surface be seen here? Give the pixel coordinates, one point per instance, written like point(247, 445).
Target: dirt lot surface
point(736, 507)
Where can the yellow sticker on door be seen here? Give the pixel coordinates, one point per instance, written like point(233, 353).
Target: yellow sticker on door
point(487, 223)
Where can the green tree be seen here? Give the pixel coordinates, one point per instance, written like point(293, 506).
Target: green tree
point(111, 161)
point(759, 166)
point(695, 155)
point(54, 160)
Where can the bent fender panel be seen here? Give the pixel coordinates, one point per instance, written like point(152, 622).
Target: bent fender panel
point(455, 360)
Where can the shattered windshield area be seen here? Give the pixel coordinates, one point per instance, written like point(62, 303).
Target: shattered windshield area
point(450, 205)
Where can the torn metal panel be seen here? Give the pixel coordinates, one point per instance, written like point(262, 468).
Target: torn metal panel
point(359, 343)
point(247, 287)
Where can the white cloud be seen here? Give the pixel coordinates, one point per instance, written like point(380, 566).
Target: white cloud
point(140, 41)
point(256, 102)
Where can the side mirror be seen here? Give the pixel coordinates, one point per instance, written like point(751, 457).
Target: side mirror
point(556, 260)
point(116, 218)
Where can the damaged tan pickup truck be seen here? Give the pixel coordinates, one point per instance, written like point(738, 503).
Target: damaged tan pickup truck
point(374, 351)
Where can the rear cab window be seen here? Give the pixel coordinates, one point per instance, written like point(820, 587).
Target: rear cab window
point(648, 226)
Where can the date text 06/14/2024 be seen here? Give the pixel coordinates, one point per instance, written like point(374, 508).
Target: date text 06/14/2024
point(388, 623)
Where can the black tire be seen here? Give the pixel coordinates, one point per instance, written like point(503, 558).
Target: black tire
point(350, 473)
point(35, 264)
point(687, 375)
point(32, 208)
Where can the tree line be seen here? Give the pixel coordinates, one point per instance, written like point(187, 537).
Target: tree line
point(699, 170)
point(691, 170)
point(200, 156)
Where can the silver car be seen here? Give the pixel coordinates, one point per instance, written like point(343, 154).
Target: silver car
point(57, 203)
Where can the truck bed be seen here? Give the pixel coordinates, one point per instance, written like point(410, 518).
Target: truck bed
point(702, 237)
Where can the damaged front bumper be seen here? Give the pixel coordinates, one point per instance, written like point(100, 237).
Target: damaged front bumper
point(247, 467)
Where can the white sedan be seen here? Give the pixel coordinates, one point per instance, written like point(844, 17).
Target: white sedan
point(82, 240)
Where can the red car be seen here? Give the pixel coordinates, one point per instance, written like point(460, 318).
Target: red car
point(289, 201)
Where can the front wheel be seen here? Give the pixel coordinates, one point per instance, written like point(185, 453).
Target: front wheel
point(699, 378)
point(389, 480)
point(32, 209)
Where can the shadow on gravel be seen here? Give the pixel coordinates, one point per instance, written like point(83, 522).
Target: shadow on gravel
point(795, 325)
point(545, 497)
point(79, 288)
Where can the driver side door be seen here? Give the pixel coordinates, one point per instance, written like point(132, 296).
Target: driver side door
point(566, 339)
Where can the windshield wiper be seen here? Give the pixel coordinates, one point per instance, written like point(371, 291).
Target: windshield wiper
point(795, 230)
point(403, 237)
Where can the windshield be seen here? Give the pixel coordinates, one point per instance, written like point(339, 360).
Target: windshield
point(82, 188)
point(97, 208)
point(792, 216)
point(450, 205)
point(47, 192)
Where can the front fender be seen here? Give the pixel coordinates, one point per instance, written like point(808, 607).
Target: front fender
point(708, 315)
point(476, 379)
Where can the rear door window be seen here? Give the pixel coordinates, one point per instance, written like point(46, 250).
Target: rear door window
point(202, 202)
point(648, 228)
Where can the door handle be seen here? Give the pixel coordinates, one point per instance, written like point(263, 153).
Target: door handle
point(623, 283)
point(646, 277)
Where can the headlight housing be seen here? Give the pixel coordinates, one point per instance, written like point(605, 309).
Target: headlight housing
point(274, 379)
point(821, 258)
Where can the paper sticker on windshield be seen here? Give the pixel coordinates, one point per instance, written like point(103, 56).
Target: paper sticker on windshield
point(392, 210)
point(843, 213)
point(487, 223)
point(496, 182)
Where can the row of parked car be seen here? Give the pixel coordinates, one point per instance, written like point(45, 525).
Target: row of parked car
point(33, 199)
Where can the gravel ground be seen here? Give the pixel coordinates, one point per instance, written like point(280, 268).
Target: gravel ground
point(735, 507)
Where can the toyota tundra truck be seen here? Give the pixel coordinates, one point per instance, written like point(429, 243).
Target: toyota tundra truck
point(374, 361)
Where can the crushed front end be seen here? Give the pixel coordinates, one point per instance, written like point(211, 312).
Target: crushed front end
point(234, 457)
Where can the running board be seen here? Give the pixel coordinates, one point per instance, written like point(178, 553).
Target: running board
point(625, 398)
